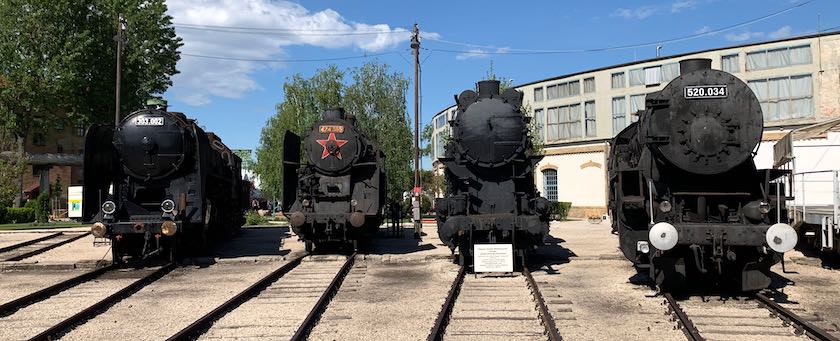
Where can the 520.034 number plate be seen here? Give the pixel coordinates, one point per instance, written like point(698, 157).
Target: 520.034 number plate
point(705, 91)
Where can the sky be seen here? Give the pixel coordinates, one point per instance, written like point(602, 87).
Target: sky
point(262, 43)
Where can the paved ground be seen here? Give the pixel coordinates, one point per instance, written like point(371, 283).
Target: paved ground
point(396, 288)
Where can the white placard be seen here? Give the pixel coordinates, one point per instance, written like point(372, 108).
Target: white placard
point(74, 201)
point(493, 257)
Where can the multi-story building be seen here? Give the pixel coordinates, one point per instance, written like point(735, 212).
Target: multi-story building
point(797, 81)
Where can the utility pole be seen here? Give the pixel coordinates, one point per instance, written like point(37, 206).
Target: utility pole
point(415, 45)
point(120, 39)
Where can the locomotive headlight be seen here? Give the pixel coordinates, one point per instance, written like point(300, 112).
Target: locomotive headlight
point(764, 207)
point(663, 236)
point(305, 202)
point(167, 206)
point(665, 206)
point(781, 237)
point(98, 229)
point(353, 202)
point(109, 207)
point(169, 228)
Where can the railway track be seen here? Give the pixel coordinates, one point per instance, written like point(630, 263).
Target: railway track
point(50, 312)
point(756, 316)
point(290, 301)
point(494, 308)
point(37, 246)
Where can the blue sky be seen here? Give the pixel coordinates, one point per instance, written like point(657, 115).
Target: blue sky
point(234, 98)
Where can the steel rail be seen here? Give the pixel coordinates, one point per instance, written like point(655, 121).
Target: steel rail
point(200, 326)
point(788, 316)
point(97, 308)
point(30, 242)
point(436, 334)
point(311, 320)
point(683, 322)
point(10, 307)
point(545, 314)
point(46, 248)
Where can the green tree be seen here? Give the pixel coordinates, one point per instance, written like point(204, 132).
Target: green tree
point(376, 95)
point(11, 168)
point(57, 56)
point(247, 158)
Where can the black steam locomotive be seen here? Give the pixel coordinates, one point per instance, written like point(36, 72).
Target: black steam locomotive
point(158, 183)
point(338, 196)
point(490, 196)
point(686, 198)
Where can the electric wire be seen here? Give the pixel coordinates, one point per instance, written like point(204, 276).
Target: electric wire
point(287, 60)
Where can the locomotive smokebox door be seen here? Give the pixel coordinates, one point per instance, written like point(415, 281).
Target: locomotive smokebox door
point(291, 162)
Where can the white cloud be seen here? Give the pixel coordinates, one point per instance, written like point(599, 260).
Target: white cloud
point(702, 30)
point(743, 36)
point(782, 32)
point(481, 53)
point(680, 5)
point(635, 13)
point(280, 24)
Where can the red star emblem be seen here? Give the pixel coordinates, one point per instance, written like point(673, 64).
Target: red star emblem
point(331, 146)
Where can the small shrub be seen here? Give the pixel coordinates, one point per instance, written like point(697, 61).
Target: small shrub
point(3, 214)
point(42, 207)
point(19, 215)
point(254, 218)
point(560, 210)
point(30, 204)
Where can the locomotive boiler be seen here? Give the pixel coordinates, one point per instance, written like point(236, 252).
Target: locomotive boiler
point(489, 169)
point(337, 196)
point(686, 198)
point(158, 183)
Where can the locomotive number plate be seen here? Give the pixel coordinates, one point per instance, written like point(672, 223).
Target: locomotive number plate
point(705, 91)
point(148, 121)
point(338, 129)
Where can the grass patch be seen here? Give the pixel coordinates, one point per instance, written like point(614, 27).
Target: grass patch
point(29, 226)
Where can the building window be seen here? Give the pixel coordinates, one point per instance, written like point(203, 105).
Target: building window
point(618, 80)
point(589, 85)
point(538, 94)
point(619, 113)
point(539, 122)
point(776, 58)
point(552, 92)
point(564, 122)
point(439, 145)
point(39, 139)
point(80, 130)
point(589, 114)
point(785, 97)
point(59, 125)
point(637, 77)
point(730, 63)
point(550, 184)
point(670, 71)
point(637, 102)
point(653, 75)
point(440, 121)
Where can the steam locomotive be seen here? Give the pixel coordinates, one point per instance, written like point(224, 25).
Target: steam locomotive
point(339, 195)
point(686, 198)
point(158, 183)
point(490, 196)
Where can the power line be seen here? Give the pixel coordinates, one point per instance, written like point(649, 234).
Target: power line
point(287, 60)
point(612, 48)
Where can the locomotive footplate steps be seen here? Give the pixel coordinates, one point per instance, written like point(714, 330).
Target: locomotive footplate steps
point(494, 307)
point(734, 318)
point(40, 246)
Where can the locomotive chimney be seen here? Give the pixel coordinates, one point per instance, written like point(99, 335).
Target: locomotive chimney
point(333, 114)
point(488, 88)
point(694, 64)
